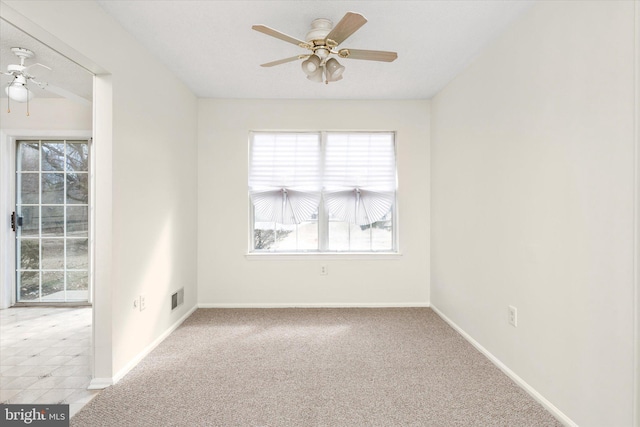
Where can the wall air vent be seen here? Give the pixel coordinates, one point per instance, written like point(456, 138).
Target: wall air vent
point(177, 298)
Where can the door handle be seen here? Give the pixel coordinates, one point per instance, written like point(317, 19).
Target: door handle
point(16, 221)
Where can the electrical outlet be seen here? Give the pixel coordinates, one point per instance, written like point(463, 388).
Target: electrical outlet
point(513, 316)
point(324, 270)
point(143, 303)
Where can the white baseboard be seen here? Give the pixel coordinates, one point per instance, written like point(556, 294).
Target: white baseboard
point(560, 416)
point(133, 362)
point(100, 383)
point(314, 305)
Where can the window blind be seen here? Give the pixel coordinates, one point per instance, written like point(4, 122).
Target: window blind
point(356, 173)
point(359, 176)
point(285, 176)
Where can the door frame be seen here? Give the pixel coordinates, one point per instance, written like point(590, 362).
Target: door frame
point(8, 141)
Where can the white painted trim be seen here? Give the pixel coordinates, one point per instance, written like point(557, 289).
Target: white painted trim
point(636, 213)
point(316, 305)
point(102, 256)
point(322, 256)
point(522, 383)
point(148, 349)
point(7, 205)
point(100, 383)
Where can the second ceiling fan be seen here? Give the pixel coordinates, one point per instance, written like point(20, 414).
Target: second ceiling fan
point(323, 40)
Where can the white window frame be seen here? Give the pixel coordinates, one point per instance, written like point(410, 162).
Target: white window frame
point(323, 222)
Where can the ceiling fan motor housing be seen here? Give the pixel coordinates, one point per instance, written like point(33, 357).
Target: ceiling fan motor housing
point(21, 52)
point(15, 68)
point(320, 28)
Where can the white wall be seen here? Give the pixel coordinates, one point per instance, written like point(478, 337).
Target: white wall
point(46, 114)
point(146, 181)
point(227, 278)
point(532, 205)
point(50, 117)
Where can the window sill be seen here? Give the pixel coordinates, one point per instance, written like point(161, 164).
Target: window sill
point(313, 256)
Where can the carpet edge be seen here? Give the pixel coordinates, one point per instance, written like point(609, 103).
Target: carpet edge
point(315, 305)
point(557, 413)
point(148, 349)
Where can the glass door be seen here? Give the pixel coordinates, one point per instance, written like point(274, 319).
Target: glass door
point(51, 221)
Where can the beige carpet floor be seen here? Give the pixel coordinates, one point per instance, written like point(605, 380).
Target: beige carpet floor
point(314, 367)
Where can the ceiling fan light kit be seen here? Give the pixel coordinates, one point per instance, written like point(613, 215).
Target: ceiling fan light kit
point(18, 90)
point(322, 40)
point(317, 76)
point(333, 70)
point(311, 65)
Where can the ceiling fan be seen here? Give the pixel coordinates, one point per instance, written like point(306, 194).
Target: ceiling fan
point(17, 89)
point(323, 40)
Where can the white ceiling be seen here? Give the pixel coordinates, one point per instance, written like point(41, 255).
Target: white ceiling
point(211, 47)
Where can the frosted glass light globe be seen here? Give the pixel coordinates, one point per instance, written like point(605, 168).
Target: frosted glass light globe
point(18, 92)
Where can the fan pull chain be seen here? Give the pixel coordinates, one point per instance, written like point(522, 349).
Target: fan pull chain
point(25, 85)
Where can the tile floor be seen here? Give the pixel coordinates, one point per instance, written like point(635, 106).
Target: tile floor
point(45, 356)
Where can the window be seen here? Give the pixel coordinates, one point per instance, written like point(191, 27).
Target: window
point(322, 192)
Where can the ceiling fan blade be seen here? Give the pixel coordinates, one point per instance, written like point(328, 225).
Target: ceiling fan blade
point(349, 24)
point(283, 61)
point(277, 34)
point(369, 55)
point(37, 64)
point(63, 92)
